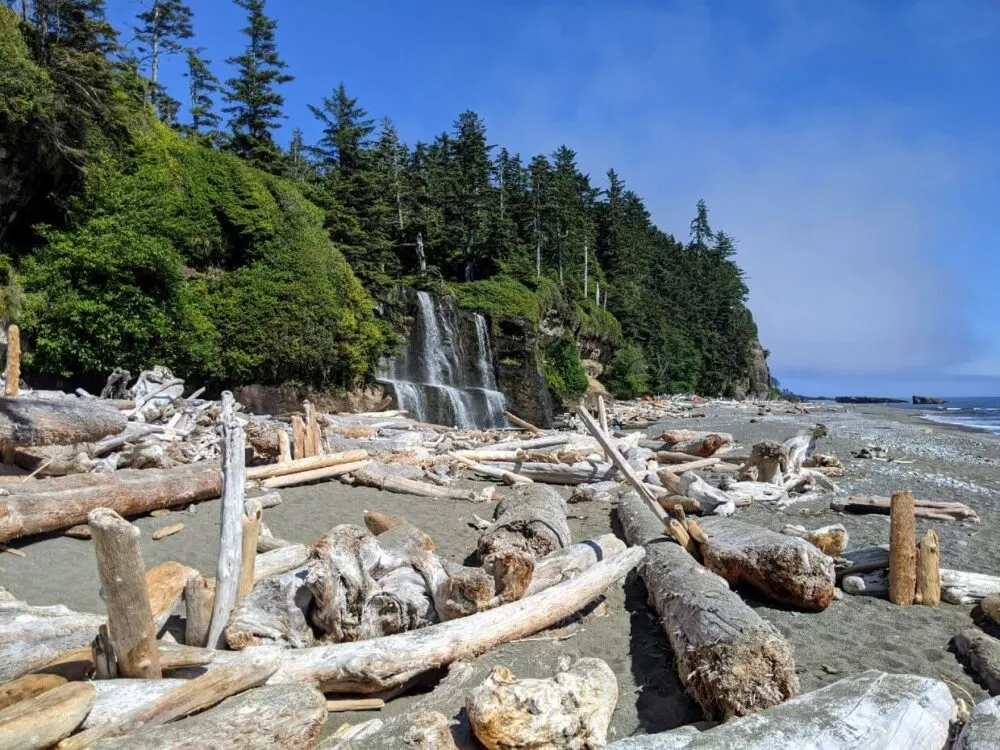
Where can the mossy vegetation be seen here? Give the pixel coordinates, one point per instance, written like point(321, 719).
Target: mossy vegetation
point(563, 369)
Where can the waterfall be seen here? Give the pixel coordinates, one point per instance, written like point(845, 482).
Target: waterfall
point(438, 378)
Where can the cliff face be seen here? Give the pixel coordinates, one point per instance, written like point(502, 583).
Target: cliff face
point(515, 349)
point(758, 382)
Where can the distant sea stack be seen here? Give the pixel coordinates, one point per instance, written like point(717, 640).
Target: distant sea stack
point(868, 400)
point(924, 400)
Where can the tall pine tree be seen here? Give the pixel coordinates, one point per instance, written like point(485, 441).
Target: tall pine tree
point(202, 84)
point(254, 102)
point(163, 25)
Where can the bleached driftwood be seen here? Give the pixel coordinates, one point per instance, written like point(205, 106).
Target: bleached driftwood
point(199, 596)
point(66, 421)
point(230, 544)
point(729, 659)
point(862, 560)
point(279, 560)
point(767, 463)
point(582, 472)
point(711, 499)
point(784, 568)
point(962, 587)
point(401, 485)
point(982, 652)
point(700, 447)
point(313, 475)
point(940, 511)
point(869, 711)
point(27, 686)
point(62, 502)
point(273, 613)
point(570, 710)
point(982, 730)
point(304, 464)
point(673, 437)
point(991, 607)
point(282, 716)
point(570, 561)
point(832, 539)
point(40, 722)
point(505, 476)
point(531, 518)
point(122, 573)
point(747, 493)
point(12, 374)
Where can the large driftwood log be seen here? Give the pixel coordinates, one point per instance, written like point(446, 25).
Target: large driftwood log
point(767, 463)
point(365, 477)
point(730, 660)
point(902, 549)
point(831, 540)
point(570, 561)
point(340, 581)
point(582, 472)
point(282, 716)
point(305, 464)
point(313, 475)
point(710, 499)
point(530, 519)
point(982, 652)
point(384, 663)
point(570, 710)
point(66, 421)
point(27, 687)
point(62, 502)
point(869, 711)
point(939, 511)
point(230, 537)
point(700, 447)
point(673, 437)
point(273, 613)
point(40, 722)
point(957, 586)
point(122, 573)
point(784, 568)
point(191, 697)
point(165, 584)
point(982, 730)
point(862, 560)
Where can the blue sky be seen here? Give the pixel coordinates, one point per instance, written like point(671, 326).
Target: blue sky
point(850, 147)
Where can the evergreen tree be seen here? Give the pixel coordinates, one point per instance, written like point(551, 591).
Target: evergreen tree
point(163, 26)
point(467, 209)
point(346, 128)
point(299, 168)
point(166, 106)
point(202, 84)
point(254, 102)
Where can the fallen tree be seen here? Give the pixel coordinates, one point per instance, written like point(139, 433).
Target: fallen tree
point(939, 511)
point(729, 659)
point(64, 421)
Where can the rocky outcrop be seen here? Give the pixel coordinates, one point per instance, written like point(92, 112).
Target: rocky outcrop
point(926, 400)
point(285, 399)
point(515, 349)
point(758, 381)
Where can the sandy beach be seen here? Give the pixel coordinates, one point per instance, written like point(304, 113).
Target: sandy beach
point(852, 635)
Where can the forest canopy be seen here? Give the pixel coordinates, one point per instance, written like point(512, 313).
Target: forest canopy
point(141, 225)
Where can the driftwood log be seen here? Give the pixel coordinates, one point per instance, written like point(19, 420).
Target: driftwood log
point(27, 687)
point(710, 499)
point(928, 571)
point(530, 519)
point(40, 722)
point(12, 374)
point(66, 421)
point(62, 502)
point(869, 711)
point(902, 549)
point(305, 464)
point(582, 472)
point(982, 652)
point(282, 716)
point(700, 447)
point(729, 659)
point(571, 710)
point(831, 540)
point(767, 463)
point(939, 511)
point(982, 730)
point(786, 569)
point(273, 613)
point(991, 607)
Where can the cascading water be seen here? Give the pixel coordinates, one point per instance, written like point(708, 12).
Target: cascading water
point(437, 378)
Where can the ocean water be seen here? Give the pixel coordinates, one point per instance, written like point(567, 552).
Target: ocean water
point(982, 413)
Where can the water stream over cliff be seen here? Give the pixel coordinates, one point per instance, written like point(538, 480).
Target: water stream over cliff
point(446, 373)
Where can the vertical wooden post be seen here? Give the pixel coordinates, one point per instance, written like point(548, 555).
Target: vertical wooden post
point(929, 571)
point(602, 416)
point(227, 578)
point(199, 597)
point(130, 618)
point(312, 436)
point(299, 436)
point(902, 549)
point(251, 532)
point(284, 447)
point(12, 387)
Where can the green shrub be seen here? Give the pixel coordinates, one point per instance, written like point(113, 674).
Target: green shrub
point(563, 370)
point(628, 376)
point(500, 296)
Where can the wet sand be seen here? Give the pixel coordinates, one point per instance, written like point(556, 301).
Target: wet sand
point(852, 635)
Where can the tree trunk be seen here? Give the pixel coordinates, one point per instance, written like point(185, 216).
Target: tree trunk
point(130, 616)
point(767, 463)
point(570, 710)
point(982, 652)
point(730, 660)
point(40, 722)
point(285, 716)
point(784, 568)
point(66, 421)
point(12, 384)
point(249, 533)
point(26, 687)
point(929, 571)
point(700, 447)
point(902, 550)
point(191, 697)
point(230, 545)
point(673, 437)
point(62, 502)
point(299, 437)
point(165, 584)
point(868, 711)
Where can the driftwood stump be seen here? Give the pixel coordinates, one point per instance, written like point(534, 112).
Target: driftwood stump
point(929, 571)
point(902, 549)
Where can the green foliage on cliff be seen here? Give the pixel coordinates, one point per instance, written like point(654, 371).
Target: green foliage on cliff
point(563, 370)
point(500, 296)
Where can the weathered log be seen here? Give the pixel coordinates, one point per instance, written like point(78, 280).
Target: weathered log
point(285, 716)
point(67, 421)
point(402, 602)
point(339, 580)
point(962, 587)
point(119, 697)
point(729, 659)
point(299, 437)
point(902, 549)
point(767, 463)
point(314, 475)
point(12, 374)
point(939, 511)
point(710, 499)
point(523, 424)
point(354, 704)
point(982, 730)
point(702, 447)
point(27, 686)
point(982, 652)
point(928, 571)
point(40, 722)
point(701, 463)
point(297, 466)
point(531, 520)
point(680, 436)
point(384, 663)
point(312, 436)
point(164, 531)
point(507, 477)
point(582, 472)
point(868, 711)
point(268, 542)
point(199, 596)
point(273, 613)
point(404, 486)
point(62, 502)
point(249, 533)
point(747, 493)
point(570, 561)
point(191, 697)
point(862, 560)
point(571, 710)
point(165, 584)
point(831, 539)
point(230, 544)
point(284, 447)
point(991, 607)
point(784, 568)
point(122, 573)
